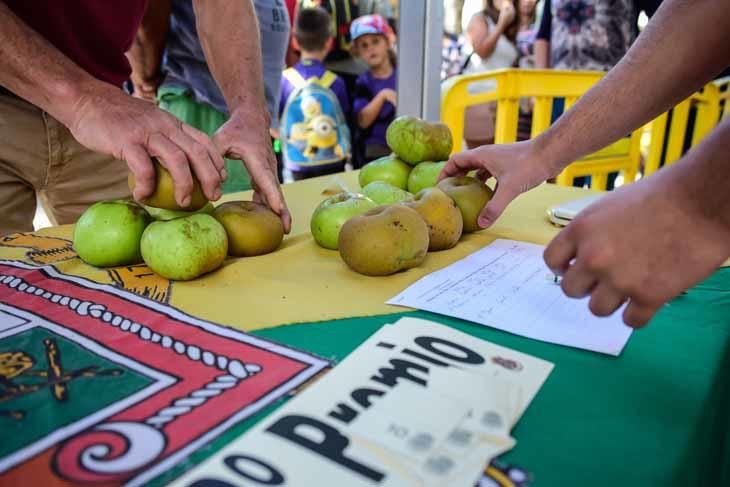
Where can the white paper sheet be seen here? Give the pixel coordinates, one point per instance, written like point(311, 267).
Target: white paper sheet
point(507, 285)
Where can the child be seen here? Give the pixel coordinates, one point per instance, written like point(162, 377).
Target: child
point(313, 38)
point(375, 97)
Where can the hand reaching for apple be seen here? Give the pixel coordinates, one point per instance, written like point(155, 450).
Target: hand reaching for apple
point(516, 167)
point(111, 122)
point(244, 139)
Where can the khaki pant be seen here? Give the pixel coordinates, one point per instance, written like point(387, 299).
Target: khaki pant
point(38, 155)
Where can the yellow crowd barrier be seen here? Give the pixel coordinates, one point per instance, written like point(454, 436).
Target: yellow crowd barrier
point(669, 132)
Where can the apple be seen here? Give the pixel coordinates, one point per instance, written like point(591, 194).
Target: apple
point(108, 233)
point(415, 140)
point(383, 193)
point(470, 195)
point(424, 175)
point(164, 194)
point(384, 240)
point(441, 215)
point(333, 212)
point(160, 214)
point(184, 248)
point(389, 169)
point(252, 228)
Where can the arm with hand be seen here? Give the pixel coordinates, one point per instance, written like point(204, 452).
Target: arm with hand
point(229, 35)
point(622, 101)
point(482, 38)
point(102, 117)
point(647, 242)
point(369, 114)
point(145, 55)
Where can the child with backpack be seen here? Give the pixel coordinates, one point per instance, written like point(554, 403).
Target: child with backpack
point(375, 96)
point(315, 139)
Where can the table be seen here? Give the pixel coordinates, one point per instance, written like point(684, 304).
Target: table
point(656, 415)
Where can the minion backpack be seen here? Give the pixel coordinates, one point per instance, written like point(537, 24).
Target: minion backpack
point(314, 131)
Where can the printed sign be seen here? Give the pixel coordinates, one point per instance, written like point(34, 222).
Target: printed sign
point(416, 404)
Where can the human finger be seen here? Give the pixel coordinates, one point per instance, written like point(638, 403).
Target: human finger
point(172, 157)
point(560, 252)
point(503, 196)
point(140, 163)
point(460, 164)
point(213, 151)
point(637, 315)
point(578, 281)
point(200, 161)
point(604, 299)
point(268, 186)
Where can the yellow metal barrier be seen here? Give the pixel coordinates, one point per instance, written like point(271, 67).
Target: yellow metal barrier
point(684, 126)
point(669, 132)
point(508, 86)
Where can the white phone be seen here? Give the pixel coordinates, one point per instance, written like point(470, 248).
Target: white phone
point(564, 213)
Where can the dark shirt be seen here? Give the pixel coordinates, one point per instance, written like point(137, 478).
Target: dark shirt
point(366, 87)
point(94, 34)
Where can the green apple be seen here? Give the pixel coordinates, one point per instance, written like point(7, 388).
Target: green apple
point(332, 213)
point(164, 194)
point(385, 194)
point(184, 248)
point(161, 214)
point(389, 169)
point(470, 195)
point(424, 175)
point(108, 233)
point(415, 140)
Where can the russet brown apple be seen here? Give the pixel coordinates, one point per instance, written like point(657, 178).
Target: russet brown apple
point(383, 241)
point(441, 215)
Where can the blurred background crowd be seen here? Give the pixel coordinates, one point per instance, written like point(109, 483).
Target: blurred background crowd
point(330, 67)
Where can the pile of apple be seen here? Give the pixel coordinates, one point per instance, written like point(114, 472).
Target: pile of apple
point(176, 243)
point(403, 211)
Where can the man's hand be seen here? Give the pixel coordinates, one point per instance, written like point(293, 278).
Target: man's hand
point(109, 121)
point(516, 167)
point(145, 89)
point(647, 242)
point(241, 138)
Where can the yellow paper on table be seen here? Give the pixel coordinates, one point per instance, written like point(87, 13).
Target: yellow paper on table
point(300, 282)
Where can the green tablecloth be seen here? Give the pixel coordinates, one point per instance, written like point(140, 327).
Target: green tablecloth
point(657, 415)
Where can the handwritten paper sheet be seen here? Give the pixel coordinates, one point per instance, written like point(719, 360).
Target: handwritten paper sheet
point(507, 285)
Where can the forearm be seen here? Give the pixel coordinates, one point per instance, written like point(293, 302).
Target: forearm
point(35, 70)
point(369, 114)
point(485, 46)
point(700, 180)
point(542, 54)
point(145, 55)
point(229, 35)
point(683, 47)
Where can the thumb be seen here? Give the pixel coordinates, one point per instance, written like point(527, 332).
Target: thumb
point(495, 207)
point(222, 143)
